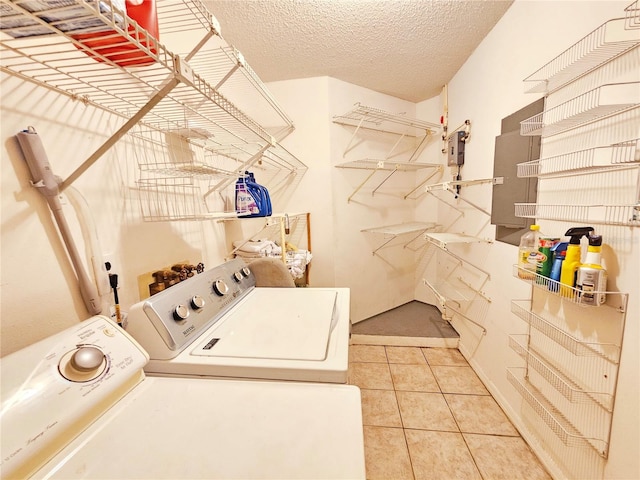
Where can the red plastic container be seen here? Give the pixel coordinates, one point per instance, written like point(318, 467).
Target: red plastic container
point(119, 50)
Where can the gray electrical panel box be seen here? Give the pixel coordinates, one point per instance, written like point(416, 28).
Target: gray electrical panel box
point(455, 149)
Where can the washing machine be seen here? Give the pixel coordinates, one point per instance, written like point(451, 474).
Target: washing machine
point(79, 405)
point(219, 324)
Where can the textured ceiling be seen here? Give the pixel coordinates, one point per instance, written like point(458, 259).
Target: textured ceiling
point(405, 48)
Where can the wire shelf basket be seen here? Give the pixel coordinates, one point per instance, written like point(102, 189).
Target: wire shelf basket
point(608, 41)
point(618, 155)
point(586, 108)
point(625, 215)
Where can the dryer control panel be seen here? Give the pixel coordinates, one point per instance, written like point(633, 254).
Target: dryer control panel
point(53, 389)
point(169, 321)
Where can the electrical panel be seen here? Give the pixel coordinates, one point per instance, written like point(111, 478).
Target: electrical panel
point(455, 149)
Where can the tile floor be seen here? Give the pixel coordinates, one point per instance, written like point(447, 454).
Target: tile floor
point(427, 415)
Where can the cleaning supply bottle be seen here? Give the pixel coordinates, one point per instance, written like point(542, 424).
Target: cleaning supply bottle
point(528, 253)
point(558, 252)
point(591, 278)
point(545, 257)
point(572, 259)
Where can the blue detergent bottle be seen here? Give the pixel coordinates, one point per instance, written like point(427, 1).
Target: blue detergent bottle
point(263, 194)
point(246, 201)
point(559, 252)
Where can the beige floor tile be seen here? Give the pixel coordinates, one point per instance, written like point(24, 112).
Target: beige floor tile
point(425, 411)
point(405, 355)
point(386, 454)
point(479, 414)
point(414, 378)
point(370, 375)
point(444, 356)
point(367, 353)
point(458, 380)
point(504, 458)
point(440, 456)
point(380, 408)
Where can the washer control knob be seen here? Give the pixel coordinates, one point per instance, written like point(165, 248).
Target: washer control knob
point(87, 359)
point(181, 312)
point(197, 302)
point(245, 271)
point(238, 277)
point(84, 364)
point(220, 288)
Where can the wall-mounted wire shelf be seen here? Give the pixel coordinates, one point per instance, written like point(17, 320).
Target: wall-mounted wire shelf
point(551, 416)
point(618, 155)
point(454, 186)
point(390, 232)
point(391, 167)
point(405, 127)
point(213, 169)
point(625, 215)
point(605, 43)
point(375, 119)
point(568, 388)
point(167, 95)
point(580, 348)
point(593, 105)
point(632, 15)
point(454, 297)
point(616, 300)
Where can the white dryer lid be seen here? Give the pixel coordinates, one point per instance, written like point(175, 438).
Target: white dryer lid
point(274, 323)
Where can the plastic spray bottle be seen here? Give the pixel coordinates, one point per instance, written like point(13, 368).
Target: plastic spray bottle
point(572, 259)
point(558, 251)
point(591, 278)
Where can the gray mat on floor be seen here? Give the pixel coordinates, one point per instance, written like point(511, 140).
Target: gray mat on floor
point(413, 319)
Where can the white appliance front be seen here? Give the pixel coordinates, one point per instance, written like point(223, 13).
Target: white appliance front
point(218, 324)
point(78, 405)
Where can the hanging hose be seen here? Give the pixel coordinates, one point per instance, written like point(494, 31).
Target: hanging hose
point(48, 185)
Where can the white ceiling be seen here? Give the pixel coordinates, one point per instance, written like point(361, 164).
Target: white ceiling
point(405, 48)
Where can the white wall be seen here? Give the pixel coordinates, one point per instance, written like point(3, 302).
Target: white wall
point(39, 294)
point(486, 89)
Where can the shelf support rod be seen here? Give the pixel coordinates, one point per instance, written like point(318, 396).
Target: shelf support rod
point(160, 94)
point(437, 170)
point(415, 154)
point(383, 181)
point(452, 190)
point(361, 185)
point(353, 135)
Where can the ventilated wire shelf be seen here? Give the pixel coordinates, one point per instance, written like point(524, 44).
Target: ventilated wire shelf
point(626, 215)
point(376, 119)
point(227, 71)
point(568, 388)
point(166, 95)
point(551, 416)
point(619, 155)
point(170, 199)
point(387, 165)
point(188, 153)
point(577, 347)
point(632, 15)
point(616, 300)
point(583, 109)
point(608, 41)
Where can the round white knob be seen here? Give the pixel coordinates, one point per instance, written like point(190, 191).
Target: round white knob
point(84, 364)
point(197, 302)
point(220, 287)
point(87, 359)
point(181, 312)
point(246, 272)
point(237, 276)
